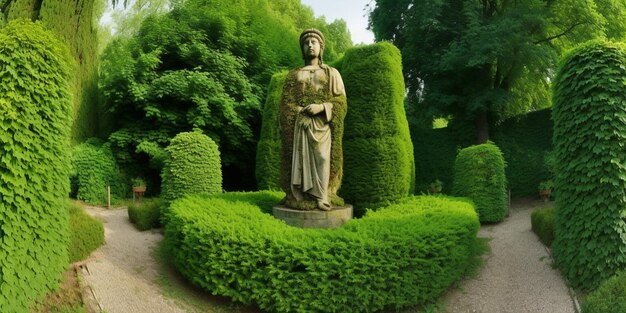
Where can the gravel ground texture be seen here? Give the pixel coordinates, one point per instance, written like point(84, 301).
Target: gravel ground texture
point(517, 276)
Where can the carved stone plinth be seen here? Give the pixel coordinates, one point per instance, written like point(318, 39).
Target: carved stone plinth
point(314, 219)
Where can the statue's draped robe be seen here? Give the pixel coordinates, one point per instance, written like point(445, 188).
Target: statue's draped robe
point(311, 145)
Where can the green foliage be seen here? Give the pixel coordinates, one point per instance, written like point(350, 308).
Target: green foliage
point(200, 66)
point(378, 153)
point(145, 214)
point(86, 233)
point(590, 185)
point(479, 175)
point(465, 58)
point(609, 297)
point(525, 142)
point(193, 166)
point(402, 255)
point(268, 147)
point(542, 221)
point(93, 169)
point(34, 163)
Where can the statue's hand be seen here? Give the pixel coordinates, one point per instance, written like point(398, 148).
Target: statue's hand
point(313, 109)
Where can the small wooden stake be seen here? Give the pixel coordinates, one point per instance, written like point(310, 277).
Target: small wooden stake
point(108, 197)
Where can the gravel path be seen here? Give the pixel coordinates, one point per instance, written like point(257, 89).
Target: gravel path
point(517, 275)
point(122, 274)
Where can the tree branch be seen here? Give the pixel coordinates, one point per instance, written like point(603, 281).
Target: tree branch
point(569, 29)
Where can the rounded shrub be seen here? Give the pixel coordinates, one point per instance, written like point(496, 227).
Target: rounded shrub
point(589, 116)
point(378, 154)
point(479, 175)
point(193, 166)
point(93, 169)
point(542, 224)
point(401, 255)
point(34, 163)
point(268, 147)
point(145, 214)
point(610, 297)
point(86, 233)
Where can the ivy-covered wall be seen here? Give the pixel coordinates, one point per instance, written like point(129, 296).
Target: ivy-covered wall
point(34, 163)
point(379, 166)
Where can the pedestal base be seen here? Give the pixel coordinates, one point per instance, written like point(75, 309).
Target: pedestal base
point(314, 219)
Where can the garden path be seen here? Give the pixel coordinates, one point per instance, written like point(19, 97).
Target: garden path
point(517, 276)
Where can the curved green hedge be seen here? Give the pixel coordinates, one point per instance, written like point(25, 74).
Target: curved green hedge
point(268, 148)
point(402, 255)
point(145, 214)
point(378, 154)
point(479, 175)
point(93, 169)
point(34, 163)
point(542, 224)
point(589, 144)
point(610, 297)
point(86, 233)
point(193, 166)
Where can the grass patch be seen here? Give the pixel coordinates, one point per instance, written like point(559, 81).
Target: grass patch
point(66, 299)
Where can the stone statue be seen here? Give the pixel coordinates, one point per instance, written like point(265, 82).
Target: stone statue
point(312, 109)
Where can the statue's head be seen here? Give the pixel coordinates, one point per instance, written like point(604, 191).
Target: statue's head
point(312, 44)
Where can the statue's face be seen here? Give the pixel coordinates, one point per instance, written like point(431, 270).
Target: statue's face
point(311, 47)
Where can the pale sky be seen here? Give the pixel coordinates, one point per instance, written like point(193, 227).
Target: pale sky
point(351, 11)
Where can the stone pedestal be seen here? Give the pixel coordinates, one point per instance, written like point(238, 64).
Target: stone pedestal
point(314, 219)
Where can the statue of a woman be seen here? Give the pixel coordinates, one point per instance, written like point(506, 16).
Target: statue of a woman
point(312, 109)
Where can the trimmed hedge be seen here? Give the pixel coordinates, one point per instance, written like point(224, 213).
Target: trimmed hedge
point(402, 255)
point(268, 147)
point(193, 166)
point(610, 297)
point(34, 163)
point(479, 175)
point(542, 222)
point(86, 233)
point(146, 214)
point(589, 116)
point(378, 154)
point(93, 169)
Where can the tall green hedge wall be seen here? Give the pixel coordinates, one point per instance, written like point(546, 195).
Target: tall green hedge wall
point(75, 22)
point(193, 166)
point(378, 154)
point(93, 169)
point(479, 175)
point(34, 163)
point(590, 150)
point(268, 147)
point(401, 255)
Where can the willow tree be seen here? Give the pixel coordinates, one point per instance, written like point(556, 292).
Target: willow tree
point(75, 22)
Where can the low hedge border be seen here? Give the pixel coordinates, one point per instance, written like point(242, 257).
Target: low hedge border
point(145, 214)
point(86, 233)
point(610, 297)
point(402, 255)
point(542, 221)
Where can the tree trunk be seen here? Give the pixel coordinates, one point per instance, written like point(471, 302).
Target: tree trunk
point(481, 122)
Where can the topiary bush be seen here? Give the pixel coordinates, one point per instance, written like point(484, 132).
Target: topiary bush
point(479, 175)
point(193, 166)
point(34, 163)
point(86, 233)
point(378, 154)
point(589, 116)
point(610, 297)
point(268, 147)
point(145, 214)
point(402, 255)
point(93, 169)
point(542, 223)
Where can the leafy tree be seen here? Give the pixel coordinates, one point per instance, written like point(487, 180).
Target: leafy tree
point(483, 59)
point(203, 65)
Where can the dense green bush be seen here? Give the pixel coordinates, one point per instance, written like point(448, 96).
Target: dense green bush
point(479, 175)
point(610, 297)
point(590, 153)
point(268, 147)
point(86, 233)
point(145, 214)
point(93, 169)
point(193, 166)
point(542, 222)
point(402, 255)
point(378, 154)
point(34, 163)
